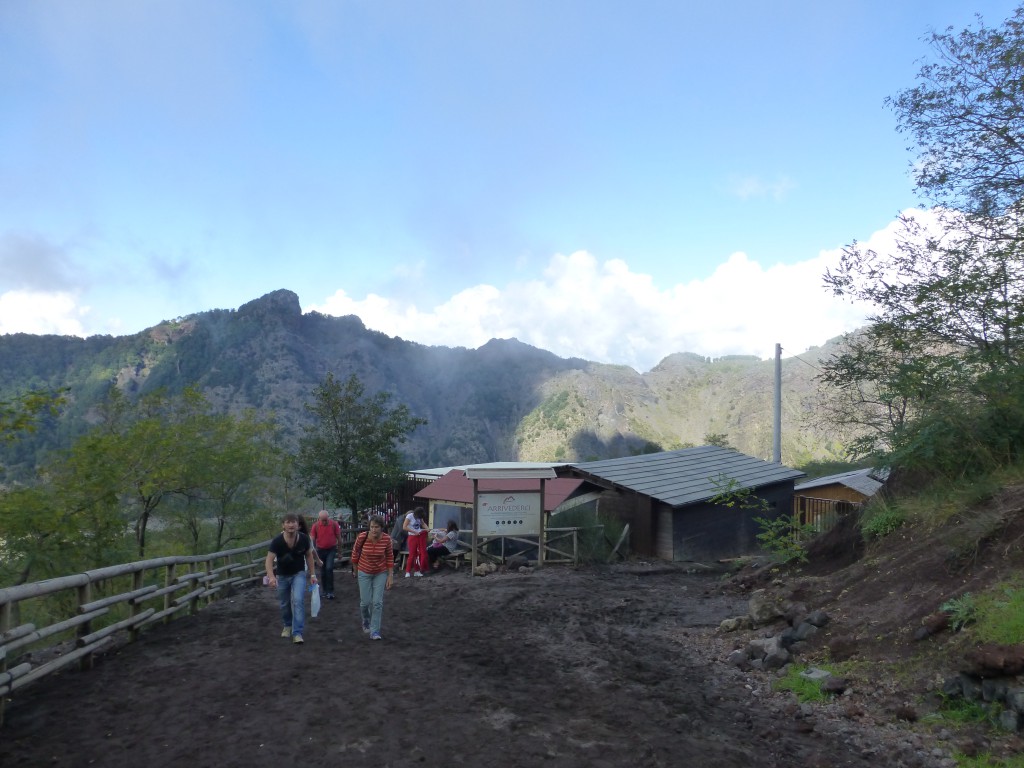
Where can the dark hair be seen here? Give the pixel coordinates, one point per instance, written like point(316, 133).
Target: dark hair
point(303, 525)
point(452, 525)
point(377, 520)
point(420, 512)
point(290, 517)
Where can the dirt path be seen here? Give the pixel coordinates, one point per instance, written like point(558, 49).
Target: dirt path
point(614, 666)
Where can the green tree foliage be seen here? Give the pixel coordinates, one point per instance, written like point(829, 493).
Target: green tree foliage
point(349, 455)
point(966, 118)
point(228, 472)
point(208, 475)
point(21, 414)
point(936, 379)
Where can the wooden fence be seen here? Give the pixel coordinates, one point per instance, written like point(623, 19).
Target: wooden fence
point(68, 619)
point(821, 514)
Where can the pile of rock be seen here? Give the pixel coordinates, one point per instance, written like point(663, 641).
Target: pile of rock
point(778, 649)
point(992, 675)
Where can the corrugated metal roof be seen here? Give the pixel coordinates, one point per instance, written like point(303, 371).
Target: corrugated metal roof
point(441, 471)
point(456, 487)
point(861, 480)
point(688, 475)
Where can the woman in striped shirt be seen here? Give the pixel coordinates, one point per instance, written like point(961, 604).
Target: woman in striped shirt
point(373, 561)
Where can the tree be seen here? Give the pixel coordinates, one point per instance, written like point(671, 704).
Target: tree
point(229, 462)
point(349, 455)
point(945, 347)
point(21, 414)
point(966, 118)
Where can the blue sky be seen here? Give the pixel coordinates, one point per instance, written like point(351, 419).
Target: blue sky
point(611, 180)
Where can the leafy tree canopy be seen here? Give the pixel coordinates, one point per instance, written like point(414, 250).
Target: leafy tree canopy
point(349, 455)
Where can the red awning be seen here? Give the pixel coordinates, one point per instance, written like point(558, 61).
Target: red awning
point(456, 488)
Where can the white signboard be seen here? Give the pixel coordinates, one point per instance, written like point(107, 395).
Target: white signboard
point(515, 513)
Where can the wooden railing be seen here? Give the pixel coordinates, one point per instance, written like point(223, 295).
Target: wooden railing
point(68, 619)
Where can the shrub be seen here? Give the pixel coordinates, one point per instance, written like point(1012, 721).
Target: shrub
point(885, 520)
point(962, 611)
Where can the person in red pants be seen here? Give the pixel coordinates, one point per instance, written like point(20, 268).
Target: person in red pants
point(416, 526)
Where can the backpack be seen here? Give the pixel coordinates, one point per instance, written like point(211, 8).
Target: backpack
point(398, 535)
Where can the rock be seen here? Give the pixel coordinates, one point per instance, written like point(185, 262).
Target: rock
point(787, 637)
point(1015, 699)
point(1010, 720)
point(953, 687)
point(516, 562)
point(993, 689)
point(762, 608)
point(932, 625)
point(993, 660)
point(806, 630)
point(738, 658)
point(835, 685)
point(731, 625)
point(817, 618)
point(794, 613)
point(813, 673)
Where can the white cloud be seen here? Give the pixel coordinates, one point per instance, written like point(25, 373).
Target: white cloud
point(749, 187)
point(604, 312)
point(37, 312)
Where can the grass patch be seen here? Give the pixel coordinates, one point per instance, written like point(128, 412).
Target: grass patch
point(882, 519)
point(1000, 614)
point(956, 709)
point(807, 691)
point(986, 760)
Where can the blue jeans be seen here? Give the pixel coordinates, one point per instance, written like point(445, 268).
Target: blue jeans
point(371, 598)
point(291, 593)
point(327, 555)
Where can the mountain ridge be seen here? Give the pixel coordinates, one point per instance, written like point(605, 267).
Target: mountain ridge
point(503, 401)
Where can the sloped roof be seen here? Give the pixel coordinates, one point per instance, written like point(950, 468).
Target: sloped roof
point(864, 481)
point(456, 487)
point(688, 475)
point(441, 471)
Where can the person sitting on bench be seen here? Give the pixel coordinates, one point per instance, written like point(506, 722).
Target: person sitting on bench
point(445, 543)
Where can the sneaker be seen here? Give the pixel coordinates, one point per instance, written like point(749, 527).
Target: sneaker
point(366, 627)
point(408, 575)
point(330, 595)
point(375, 636)
point(286, 632)
point(297, 639)
point(417, 574)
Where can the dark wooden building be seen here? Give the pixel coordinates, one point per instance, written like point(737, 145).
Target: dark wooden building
point(666, 498)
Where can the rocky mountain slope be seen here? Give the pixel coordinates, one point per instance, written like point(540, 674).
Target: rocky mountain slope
point(503, 401)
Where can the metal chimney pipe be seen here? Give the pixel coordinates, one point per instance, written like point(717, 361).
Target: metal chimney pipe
point(777, 432)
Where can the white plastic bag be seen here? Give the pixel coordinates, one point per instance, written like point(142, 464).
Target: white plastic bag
point(314, 602)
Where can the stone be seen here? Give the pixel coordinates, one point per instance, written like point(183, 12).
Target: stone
point(953, 687)
point(794, 613)
point(806, 630)
point(818, 618)
point(813, 673)
point(738, 658)
point(993, 689)
point(1015, 699)
point(992, 660)
point(730, 625)
point(762, 608)
point(1010, 720)
point(835, 685)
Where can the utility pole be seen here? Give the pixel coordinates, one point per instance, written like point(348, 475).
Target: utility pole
point(777, 432)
